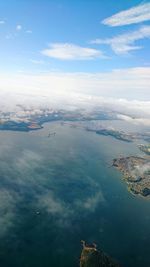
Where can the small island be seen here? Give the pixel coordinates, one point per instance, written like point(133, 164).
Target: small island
point(136, 171)
point(92, 257)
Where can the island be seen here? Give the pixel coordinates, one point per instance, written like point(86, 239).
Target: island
point(136, 173)
point(92, 257)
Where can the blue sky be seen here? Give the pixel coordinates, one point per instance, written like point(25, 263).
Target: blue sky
point(91, 48)
point(29, 27)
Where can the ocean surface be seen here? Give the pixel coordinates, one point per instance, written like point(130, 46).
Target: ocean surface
point(57, 191)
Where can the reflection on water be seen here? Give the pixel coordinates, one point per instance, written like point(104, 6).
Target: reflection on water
point(56, 191)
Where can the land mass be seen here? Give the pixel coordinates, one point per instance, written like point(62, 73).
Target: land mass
point(24, 119)
point(136, 171)
point(92, 257)
point(120, 135)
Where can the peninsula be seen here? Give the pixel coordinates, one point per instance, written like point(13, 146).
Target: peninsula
point(136, 172)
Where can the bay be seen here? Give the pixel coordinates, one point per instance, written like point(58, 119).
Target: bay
point(56, 191)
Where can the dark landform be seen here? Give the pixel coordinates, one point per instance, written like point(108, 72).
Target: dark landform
point(20, 126)
point(31, 120)
point(136, 172)
point(26, 120)
point(120, 135)
point(92, 257)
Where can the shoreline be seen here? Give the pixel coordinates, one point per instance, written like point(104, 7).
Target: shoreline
point(135, 172)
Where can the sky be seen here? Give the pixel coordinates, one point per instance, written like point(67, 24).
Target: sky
point(88, 47)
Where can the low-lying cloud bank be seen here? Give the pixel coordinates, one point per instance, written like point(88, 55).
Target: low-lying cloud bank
point(121, 90)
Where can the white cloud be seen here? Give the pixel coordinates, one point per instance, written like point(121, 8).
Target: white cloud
point(68, 51)
point(18, 27)
point(122, 90)
point(53, 205)
point(92, 202)
point(2, 22)
point(116, 83)
point(135, 14)
point(124, 43)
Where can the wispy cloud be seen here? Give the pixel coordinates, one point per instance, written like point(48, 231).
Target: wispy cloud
point(7, 210)
point(68, 51)
point(90, 203)
point(28, 31)
point(135, 14)
point(124, 43)
point(38, 62)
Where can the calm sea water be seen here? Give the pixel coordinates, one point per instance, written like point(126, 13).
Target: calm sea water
point(56, 191)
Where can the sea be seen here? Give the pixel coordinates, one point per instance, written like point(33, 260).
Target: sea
point(56, 190)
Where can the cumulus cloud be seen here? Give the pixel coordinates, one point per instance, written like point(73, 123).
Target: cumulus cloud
point(18, 27)
point(137, 121)
point(67, 51)
point(140, 170)
point(124, 43)
point(133, 15)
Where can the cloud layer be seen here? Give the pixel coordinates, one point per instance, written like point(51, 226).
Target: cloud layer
point(123, 90)
point(135, 14)
point(127, 83)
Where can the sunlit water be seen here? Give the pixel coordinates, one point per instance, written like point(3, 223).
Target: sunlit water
point(56, 191)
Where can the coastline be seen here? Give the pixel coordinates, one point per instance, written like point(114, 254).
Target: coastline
point(135, 172)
